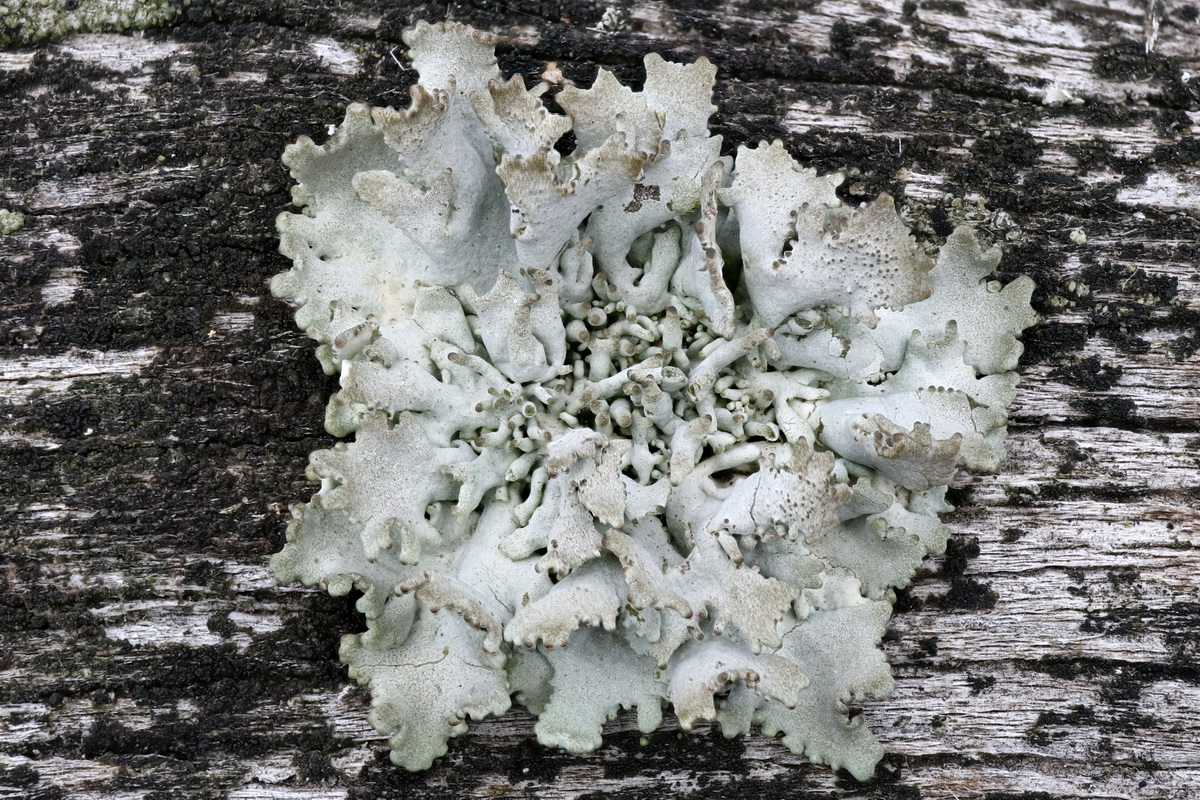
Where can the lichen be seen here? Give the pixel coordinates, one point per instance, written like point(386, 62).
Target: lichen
point(635, 426)
point(30, 21)
point(10, 221)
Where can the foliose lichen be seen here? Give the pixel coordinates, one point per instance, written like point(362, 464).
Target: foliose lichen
point(635, 426)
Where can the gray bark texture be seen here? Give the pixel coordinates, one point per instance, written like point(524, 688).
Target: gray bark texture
point(157, 406)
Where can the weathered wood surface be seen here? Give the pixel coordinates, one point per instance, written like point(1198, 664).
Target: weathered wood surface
point(157, 407)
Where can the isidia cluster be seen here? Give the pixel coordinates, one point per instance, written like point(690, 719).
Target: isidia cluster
point(633, 427)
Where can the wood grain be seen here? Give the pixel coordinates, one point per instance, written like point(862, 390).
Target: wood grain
point(157, 407)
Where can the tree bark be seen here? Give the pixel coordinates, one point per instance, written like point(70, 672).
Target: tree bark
point(158, 405)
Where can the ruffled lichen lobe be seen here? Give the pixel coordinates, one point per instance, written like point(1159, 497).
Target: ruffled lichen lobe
point(588, 472)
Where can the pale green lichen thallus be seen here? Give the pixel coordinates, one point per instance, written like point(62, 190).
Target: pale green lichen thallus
point(635, 427)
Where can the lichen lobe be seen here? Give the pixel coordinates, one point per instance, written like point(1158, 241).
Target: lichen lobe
point(586, 471)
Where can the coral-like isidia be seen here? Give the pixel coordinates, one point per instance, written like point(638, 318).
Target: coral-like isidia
point(635, 426)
